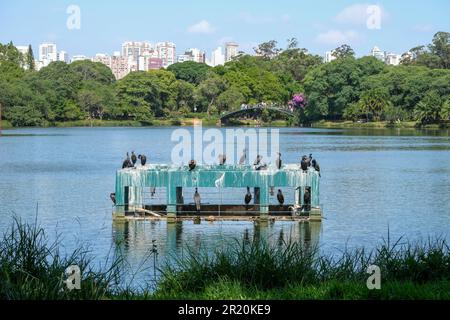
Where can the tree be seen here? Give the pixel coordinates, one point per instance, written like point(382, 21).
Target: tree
point(440, 47)
point(267, 50)
point(190, 71)
point(230, 99)
point(373, 103)
point(429, 109)
point(343, 51)
point(95, 71)
point(208, 91)
point(29, 59)
point(292, 43)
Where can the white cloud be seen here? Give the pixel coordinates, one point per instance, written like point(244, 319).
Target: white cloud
point(202, 27)
point(337, 37)
point(358, 14)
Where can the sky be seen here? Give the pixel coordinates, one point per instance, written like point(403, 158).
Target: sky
point(319, 25)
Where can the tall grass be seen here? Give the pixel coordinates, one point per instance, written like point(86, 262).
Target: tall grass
point(31, 267)
point(263, 267)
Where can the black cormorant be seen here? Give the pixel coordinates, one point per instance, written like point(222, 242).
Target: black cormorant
point(192, 165)
point(248, 198)
point(197, 200)
point(278, 161)
point(316, 166)
point(133, 158)
point(243, 157)
point(143, 159)
point(222, 159)
point(304, 163)
point(280, 197)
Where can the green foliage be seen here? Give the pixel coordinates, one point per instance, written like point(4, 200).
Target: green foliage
point(190, 71)
point(346, 88)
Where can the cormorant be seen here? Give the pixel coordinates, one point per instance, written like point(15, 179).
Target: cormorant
point(143, 159)
point(278, 161)
point(316, 166)
point(133, 158)
point(152, 191)
point(309, 159)
point(258, 160)
point(192, 165)
point(197, 200)
point(307, 200)
point(248, 198)
point(243, 157)
point(222, 159)
point(127, 163)
point(304, 164)
point(280, 197)
point(113, 197)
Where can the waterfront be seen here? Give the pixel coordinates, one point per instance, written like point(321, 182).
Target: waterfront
point(372, 181)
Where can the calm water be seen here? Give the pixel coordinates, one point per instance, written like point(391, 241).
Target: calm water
point(372, 182)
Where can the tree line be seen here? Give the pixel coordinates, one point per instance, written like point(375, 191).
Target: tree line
point(346, 88)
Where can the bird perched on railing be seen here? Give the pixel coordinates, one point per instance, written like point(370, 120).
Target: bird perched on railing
point(197, 200)
point(127, 162)
point(248, 198)
point(143, 159)
point(316, 166)
point(192, 165)
point(257, 160)
point(243, 157)
point(280, 197)
point(309, 159)
point(278, 161)
point(113, 197)
point(304, 163)
point(133, 158)
point(222, 159)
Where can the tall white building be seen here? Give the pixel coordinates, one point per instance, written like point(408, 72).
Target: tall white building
point(166, 52)
point(135, 48)
point(231, 50)
point(393, 59)
point(63, 56)
point(217, 57)
point(193, 54)
point(47, 54)
point(377, 53)
point(329, 56)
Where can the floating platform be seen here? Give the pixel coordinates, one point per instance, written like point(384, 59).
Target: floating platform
point(132, 183)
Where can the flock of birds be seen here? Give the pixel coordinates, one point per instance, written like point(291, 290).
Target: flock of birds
point(305, 163)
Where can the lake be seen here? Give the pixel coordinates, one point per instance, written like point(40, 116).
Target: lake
point(374, 182)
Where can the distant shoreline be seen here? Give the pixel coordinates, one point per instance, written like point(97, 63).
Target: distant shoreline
point(325, 124)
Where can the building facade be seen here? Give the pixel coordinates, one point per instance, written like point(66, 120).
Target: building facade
point(231, 50)
point(166, 52)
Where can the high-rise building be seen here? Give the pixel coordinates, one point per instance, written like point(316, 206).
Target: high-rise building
point(135, 49)
point(217, 57)
point(47, 53)
point(117, 63)
point(166, 52)
point(393, 59)
point(155, 63)
point(192, 54)
point(329, 56)
point(231, 50)
point(377, 53)
point(63, 56)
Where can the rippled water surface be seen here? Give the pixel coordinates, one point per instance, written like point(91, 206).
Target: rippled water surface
point(372, 181)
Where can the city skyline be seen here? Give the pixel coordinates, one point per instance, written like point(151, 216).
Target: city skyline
point(318, 27)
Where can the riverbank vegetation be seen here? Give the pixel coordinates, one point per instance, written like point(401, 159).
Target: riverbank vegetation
point(33, 268)
point(357, 90)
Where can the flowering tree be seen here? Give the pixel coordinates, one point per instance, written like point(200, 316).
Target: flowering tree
point(298, 101)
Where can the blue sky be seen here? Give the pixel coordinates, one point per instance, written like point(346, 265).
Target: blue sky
point(319, 25)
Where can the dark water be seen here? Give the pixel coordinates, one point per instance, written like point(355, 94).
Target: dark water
point(372, 181)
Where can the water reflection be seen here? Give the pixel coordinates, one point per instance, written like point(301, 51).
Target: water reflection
point(136, 238)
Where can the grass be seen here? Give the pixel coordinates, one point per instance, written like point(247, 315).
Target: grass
point(33, 268)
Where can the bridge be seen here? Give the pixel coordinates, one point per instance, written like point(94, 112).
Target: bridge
point(255, 112)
